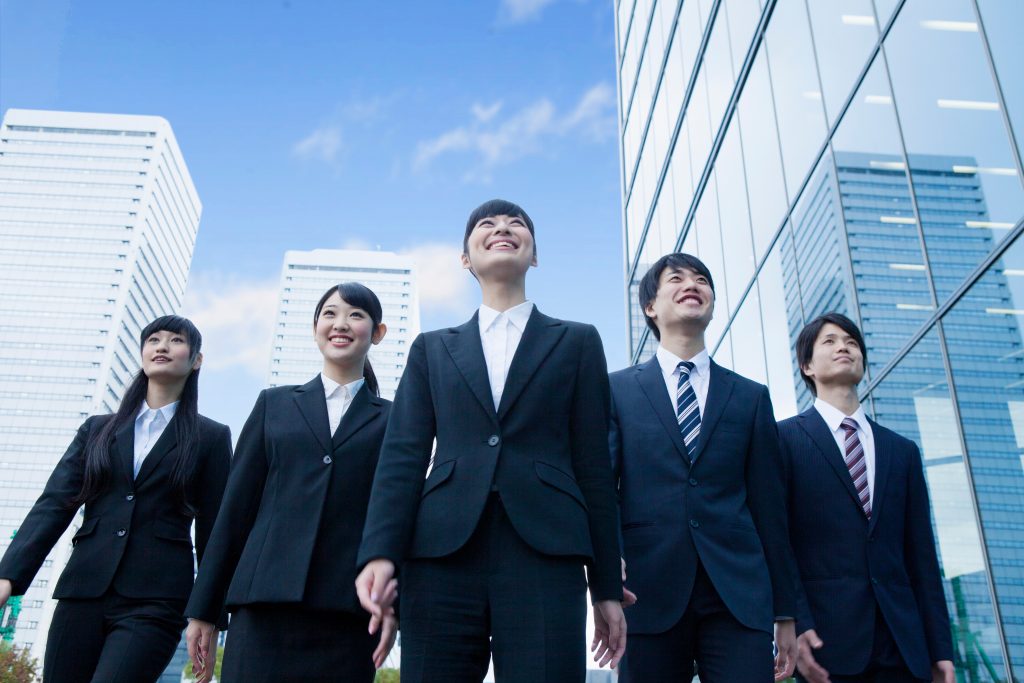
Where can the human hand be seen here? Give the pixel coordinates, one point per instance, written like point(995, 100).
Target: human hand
point(389, 629)
point(201, 638)
point(805, 662)
point(609, 642)
point(943, 672)
point(377, 589)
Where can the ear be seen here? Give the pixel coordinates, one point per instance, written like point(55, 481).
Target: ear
point(198, 362)
point(378, 333)
point(534, 261)
point(649, 311)
point(465, 261)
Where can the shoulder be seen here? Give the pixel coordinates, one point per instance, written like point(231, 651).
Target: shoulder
point(620, 376)
point(896, 439)
point(790, 427)
point(208, 425)
point(744, 384)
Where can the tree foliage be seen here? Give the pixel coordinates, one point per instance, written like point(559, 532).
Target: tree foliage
point(17, 665)
point(386, 676)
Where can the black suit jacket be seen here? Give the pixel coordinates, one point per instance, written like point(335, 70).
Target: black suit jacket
point(545, 449)
point(293, 512)
point(848, 564)
point(725, 510)
point(136, 537)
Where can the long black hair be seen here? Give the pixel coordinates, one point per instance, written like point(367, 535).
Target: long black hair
point(186, 419)
point(359, 296)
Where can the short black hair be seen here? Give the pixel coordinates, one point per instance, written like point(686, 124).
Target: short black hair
point(491, 208)
point(648, 290)
point(809, 335)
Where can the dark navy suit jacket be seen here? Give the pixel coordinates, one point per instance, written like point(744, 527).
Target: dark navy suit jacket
point(848, 564)
point(725, 510)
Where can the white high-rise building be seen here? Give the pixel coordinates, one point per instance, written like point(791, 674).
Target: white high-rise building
point(306, 275)
point(98, 221)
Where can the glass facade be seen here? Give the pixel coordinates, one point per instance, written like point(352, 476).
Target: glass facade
point(861, 156)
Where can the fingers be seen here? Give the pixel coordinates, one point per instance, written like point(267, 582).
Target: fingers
point(387, 641)
point(813, 640)
point(628, 597)
point(364, 589)
point(375, 622)
point(192, 641)
point(623, 569)
point(617, 638)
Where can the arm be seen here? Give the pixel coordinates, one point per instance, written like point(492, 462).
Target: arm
point(615, 452)
point(214, 478)
point(234, 521)
point(923, 564)
point(49, 517)
point(804, 619)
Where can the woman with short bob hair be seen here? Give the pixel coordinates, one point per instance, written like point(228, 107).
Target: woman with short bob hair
point(143, 474)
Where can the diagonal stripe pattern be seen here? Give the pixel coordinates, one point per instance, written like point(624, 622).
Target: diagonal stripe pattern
point(687, 408)
point(857, 464)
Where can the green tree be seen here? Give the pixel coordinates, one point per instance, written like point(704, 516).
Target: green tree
point(17, 665)
point(386, 676)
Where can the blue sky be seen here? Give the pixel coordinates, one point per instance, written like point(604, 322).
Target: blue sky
point(329, 124)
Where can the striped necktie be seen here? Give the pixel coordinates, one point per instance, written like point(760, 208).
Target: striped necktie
point(687, 408)
point(857, 464)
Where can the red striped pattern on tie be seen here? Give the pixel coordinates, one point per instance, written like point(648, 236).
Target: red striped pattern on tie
point(857, 464)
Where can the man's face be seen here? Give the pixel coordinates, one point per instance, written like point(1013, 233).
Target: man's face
point(684, 298)
point(837, 358)
point(499, 246)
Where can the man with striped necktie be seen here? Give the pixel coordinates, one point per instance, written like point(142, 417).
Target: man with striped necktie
point(696, 456)
point(870, 600)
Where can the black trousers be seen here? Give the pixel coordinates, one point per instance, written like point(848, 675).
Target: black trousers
point(725, 650)
point(281, 643)
point(499, 596)
point(112, 639)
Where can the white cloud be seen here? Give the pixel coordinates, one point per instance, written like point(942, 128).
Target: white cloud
point(324, 144)
point(444, 286)
point(517, 11)
point(496, 141)
point(236, 319)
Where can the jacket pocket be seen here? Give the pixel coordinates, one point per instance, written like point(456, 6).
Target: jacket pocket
point(88, 528)
point(440, 474)
point(172, 532)
point(560, 480)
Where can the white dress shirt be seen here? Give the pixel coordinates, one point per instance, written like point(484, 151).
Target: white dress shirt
point(700, 375)
point(339, 398)
point(500, 334)
point(834, 418)
point(149, 425)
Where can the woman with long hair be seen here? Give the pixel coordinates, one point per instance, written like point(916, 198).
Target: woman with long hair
point(283, 552)
point(143, 474)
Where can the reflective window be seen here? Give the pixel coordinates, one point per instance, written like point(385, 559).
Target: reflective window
point(844, 35)
point(734, 215)
point(743, 17)
point(1002, 22)
point(709, 246)
point(914, 401)
point(748, 354)
point(798, 105)
point(718, 70)
point(965, 177)
point(778, 350)
point(986, 353)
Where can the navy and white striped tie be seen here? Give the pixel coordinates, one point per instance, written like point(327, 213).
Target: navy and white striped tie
point(687, 408)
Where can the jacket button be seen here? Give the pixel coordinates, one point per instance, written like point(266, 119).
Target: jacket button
point(327, 460)
point(874, 580)
point(122, 532)
point(693, 482)
point(130, 497)
point(493, 441)
point(694, 523)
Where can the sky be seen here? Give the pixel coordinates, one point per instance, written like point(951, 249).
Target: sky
point(352, 124)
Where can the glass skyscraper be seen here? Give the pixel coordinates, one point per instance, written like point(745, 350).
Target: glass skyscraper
point(861, 156)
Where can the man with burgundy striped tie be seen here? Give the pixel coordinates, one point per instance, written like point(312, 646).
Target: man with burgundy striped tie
point(696, 456)
point(871, 605)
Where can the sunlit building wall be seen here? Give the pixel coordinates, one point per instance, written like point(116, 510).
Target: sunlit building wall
point(863, 156)
point(98, 221)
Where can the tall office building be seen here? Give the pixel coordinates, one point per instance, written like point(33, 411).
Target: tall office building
point(863, 156)
point(98, 220)
point(306, 275)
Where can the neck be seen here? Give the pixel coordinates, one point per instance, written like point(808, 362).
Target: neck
point(159, 395)
point(342, 374)
point(684, 345)
point(502, 296)
point(843, 397)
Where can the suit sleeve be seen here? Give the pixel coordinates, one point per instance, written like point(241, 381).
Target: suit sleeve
point(589, 432)
point(923, 564)
point(403, 462)
point(49, 517)
point(215, 476)
point(234, 520)
point(766, 499)
point(804, 619)
point(615, 451)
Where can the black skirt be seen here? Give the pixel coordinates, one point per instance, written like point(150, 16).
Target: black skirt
point(280, 643)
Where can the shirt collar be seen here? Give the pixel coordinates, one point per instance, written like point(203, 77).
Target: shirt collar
point(517, 315)
point(348, 390)
point(834, 417)
point(670, 361)
point(167, 411)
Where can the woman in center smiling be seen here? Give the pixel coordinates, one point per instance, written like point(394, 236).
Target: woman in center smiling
point(282, 555)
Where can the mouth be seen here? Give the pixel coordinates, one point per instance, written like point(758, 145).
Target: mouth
point(340, 339)
point(502, 245)
point(690, 298)
point(161, 359)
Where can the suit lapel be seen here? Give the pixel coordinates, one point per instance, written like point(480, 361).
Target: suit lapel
point(312, 403)
point(719, 389)
point(652, 383)
point(364, 408)
point(883, 458)
point(124, 449)
point(815, 426)
point(467, 352)
point(164, 445)
point(539, 338)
